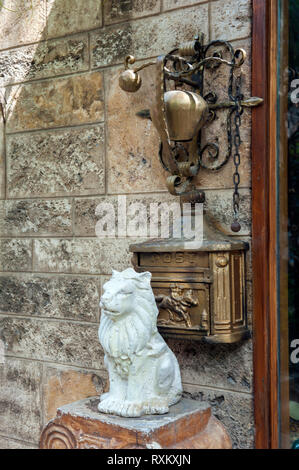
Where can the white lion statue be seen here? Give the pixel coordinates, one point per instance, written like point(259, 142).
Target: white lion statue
point(144, 374)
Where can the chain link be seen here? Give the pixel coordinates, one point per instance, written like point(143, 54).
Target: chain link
point(236, 156)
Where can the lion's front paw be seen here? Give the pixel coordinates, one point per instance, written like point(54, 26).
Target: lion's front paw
point(124, 408)
point(156, 406)
point(108, 405)
point(131, 410)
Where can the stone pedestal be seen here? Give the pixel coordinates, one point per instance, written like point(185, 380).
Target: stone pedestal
point(188, 425)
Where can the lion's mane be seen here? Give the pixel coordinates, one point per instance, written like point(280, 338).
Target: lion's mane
point(129, 334)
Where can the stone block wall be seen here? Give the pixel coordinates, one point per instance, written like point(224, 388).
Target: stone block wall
point(69, 139)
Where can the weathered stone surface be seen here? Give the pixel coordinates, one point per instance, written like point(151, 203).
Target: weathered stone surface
point(2, 161)
point(65, 342)
point(147, 37)
point(56, 163)
point(35, 217)
point(68, 297)
point(219, 205)
point(6, 443)
point(79, 255)
point(21, 22)
point(230, 19)
point(249, 303)
point(64, 385)
point(133, 143)
point(234, 410)
point(248, 255)
point(15, 255)
point(227, 366)
point(171, 4)
point(20, 400)
point(45, 59)
point(85, 210)
point(70, 16)
point(115, 10)
point(53, 103)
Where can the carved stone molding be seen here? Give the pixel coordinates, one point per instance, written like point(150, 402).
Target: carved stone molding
point(188, 425)
point(57, 436)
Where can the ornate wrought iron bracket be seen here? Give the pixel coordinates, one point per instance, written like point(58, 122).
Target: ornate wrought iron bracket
point(181, 109)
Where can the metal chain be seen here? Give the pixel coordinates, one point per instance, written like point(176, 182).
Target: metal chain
point(236, 227)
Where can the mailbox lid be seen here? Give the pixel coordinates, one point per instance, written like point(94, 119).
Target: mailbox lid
point(181, 245)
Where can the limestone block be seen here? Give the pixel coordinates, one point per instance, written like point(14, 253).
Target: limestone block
point(69, 297)
point(53, 103)
point(171, 4)
point(234, 410)
point(85, 209)
point(35, 217)
point(248, 259)
point(58, 341)
point(56, 163)
point(219, 205)
point(70, 16)
point(62, 385)
point(115, 11)
point(147, 37)
point(230, 19)
point(2, 161)
point(7, 443)
point(45, 59)
point(133, 146)
point(15, 254)
point(81, 255)
point(21, 22)
point(226, 366)
point(249, 303)
point(20, 400)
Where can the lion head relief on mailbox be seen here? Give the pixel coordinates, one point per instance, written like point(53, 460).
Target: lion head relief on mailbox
point(200, 290)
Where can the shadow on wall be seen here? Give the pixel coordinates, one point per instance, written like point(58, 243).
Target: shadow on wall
point(66, 101)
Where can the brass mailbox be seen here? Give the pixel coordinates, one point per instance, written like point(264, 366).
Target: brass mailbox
point(200, 292)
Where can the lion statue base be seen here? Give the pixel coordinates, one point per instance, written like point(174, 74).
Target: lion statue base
point(144, 374)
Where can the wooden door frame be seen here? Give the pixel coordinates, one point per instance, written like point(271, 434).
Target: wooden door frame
point(260, 223)
point(265, 229)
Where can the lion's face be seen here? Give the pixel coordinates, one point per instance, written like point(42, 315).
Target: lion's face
point(129, 313)
point(118, 298)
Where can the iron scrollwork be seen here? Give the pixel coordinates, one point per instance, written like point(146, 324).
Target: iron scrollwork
point(182, 108)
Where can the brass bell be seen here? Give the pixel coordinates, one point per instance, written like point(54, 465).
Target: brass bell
point(185, 114)
point(130, 81)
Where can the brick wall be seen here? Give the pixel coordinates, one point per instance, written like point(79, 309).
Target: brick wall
point(71, 139)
